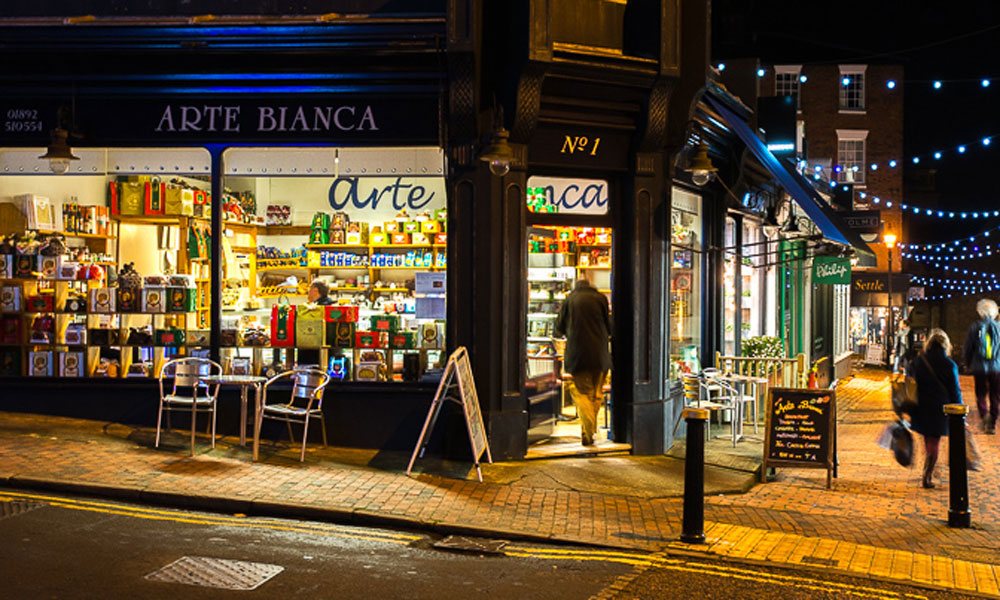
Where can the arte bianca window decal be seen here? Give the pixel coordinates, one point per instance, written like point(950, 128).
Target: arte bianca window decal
point(370, 192)
point(564, 195)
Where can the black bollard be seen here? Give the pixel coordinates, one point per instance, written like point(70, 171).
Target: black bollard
point(693, 526)
point(958, 474)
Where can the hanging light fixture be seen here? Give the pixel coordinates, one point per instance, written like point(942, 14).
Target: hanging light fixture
point(498, 154)
point(701, 168)
point(59, 153)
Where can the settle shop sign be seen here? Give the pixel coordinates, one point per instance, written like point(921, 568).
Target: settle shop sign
point(219, 120)
point(831, 270)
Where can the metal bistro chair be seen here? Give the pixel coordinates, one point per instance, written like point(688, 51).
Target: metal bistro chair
point(305, 401)
point(189, 393)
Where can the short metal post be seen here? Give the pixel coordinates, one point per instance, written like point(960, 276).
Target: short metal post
point(958, 474)
point(693, 527)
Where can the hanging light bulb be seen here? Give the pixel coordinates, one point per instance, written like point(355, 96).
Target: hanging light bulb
point(59, 153)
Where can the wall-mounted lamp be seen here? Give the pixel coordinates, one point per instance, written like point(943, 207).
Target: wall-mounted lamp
point(701, 168)
point(498, 154)
point(59, 153)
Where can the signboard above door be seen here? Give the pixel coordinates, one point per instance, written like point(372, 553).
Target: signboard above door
point(562, 195)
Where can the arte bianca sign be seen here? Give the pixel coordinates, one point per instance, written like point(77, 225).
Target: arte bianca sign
point(831, 270)
point(567, 196)
point(231, 118)
point(387, 195)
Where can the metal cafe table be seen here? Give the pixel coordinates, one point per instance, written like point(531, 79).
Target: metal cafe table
point(244, 382)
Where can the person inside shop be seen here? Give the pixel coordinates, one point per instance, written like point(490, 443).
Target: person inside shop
point(937, 384)
point(982, 358)
point(585, 321)
point(904, 349)
point(319, 293)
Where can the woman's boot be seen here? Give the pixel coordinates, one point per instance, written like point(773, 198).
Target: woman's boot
point(929, 461)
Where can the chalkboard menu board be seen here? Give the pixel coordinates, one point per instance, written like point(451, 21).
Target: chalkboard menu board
point(801, 430)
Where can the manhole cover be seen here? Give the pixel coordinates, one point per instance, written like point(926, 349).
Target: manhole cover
point(12, 508)
point(460, 543)
point(216, 573)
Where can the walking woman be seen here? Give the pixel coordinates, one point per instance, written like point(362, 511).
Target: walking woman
point(937, 384)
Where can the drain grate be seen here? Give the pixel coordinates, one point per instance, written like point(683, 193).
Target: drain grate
point(829, 562)
point(461, 543)
point(216, 573)
point(12, 508)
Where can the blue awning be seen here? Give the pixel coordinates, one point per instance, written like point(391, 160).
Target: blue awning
point(830, 224)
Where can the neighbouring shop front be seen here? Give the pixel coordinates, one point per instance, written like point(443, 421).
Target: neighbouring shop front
point(872, 303)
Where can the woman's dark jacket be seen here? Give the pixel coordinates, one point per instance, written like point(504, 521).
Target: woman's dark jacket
point(937, 385)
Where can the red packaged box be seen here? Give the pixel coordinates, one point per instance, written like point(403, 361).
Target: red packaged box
point(400, 238)
point(341, 314)
point(371, 339)
point(10, 330)
point(41, 303)
point(155, 197)
point(282, 326)
point(441, 239)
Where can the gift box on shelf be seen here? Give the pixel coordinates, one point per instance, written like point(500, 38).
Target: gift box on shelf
point(368, 371)
point(48, 266)
point(102, 300)
point(128, 299)
point(255, 336)
point(340, 220)
point(139, 336)
point(440, 239)
point(341, 313)
point(230, 337)
point(75, 335)
point(420, 238)
point(104, 337)
point(441, 214)
point(153, 299)
point(10, 330)
point(169, 337)
point(371, 339)
point(340, 368)
point(24, 265)
point(430, 226)
point(338, 236)
point(10, 362)
point(340, 335)
point(411, 226)
point(132, 197)
point(282, 326)
point(155, 198)
point(41, 302)
point(67, 270)
point(75, 303)
point(319, 236)
point(379, 238)
point(387, 323)
point(43, 329)
point(403, 340)
point(180, 299)
point(309, 326)
point(197, 337)
point(400, 238)
point(178, 201)
point(40, 363)
point(432, 335)
point(72, 364)
point(391, 227)
point(10, 298)
point(6, 266)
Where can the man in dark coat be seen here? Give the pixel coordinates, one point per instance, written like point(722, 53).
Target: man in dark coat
point(982, 357)
point(585, 321)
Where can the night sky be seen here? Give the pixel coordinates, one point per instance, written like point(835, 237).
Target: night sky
point(950, 41)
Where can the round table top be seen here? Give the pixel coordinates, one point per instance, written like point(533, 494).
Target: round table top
point(233, 379)
point(739, 377)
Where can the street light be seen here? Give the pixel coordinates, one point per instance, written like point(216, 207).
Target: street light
point(889, 239)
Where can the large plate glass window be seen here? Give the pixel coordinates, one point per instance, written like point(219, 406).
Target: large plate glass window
point(686, 246)
point(105, 269)
point(335, 258)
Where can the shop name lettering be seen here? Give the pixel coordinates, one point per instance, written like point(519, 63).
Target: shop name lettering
point(869, 286)
point(189, 118)
point(572, 196)
point(832, 270)
point(348, 190)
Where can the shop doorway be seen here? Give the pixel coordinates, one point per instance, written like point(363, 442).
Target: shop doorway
point(558, 258)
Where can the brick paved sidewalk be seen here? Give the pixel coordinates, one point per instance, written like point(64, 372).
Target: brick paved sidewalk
point(876, 521)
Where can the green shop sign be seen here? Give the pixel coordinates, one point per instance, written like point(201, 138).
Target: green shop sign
point(831, 270)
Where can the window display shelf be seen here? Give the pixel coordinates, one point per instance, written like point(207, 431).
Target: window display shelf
point(337, 246)
point(286, 230)
point(594, 267)
point(86, 236)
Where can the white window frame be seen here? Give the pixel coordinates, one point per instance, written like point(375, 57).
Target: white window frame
point(857, 75)
point(846, 175)
point(781, 75)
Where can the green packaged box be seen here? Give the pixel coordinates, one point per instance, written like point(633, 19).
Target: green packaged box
point(180, 299)
point(387, 323)
point(403, 340)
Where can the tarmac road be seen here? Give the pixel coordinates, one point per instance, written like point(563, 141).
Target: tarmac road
point(56, 546)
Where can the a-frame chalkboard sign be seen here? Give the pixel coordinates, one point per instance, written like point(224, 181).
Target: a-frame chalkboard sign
point(457, 385)
point(801, 430)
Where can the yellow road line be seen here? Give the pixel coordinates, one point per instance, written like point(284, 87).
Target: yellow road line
point(182, 517)
point(647, 560)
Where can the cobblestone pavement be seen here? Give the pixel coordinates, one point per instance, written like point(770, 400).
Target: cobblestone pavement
point(876, 520)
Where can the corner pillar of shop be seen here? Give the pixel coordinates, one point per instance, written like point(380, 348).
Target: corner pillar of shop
point(644, 411)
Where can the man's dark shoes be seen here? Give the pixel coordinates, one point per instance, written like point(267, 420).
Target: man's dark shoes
point(587, 440)
point(991, 428)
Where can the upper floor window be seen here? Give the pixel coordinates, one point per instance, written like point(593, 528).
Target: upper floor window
point(786, 81)
point(851, 155)
point(852, 88)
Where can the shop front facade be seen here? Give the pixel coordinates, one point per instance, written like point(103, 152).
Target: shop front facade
point(234, 192)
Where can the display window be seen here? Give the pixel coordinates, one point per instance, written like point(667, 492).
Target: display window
point(330, 258)
point(730, 289)
point(752, 279)
point(108, 266)
point(685, 283)
point(335, 258)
